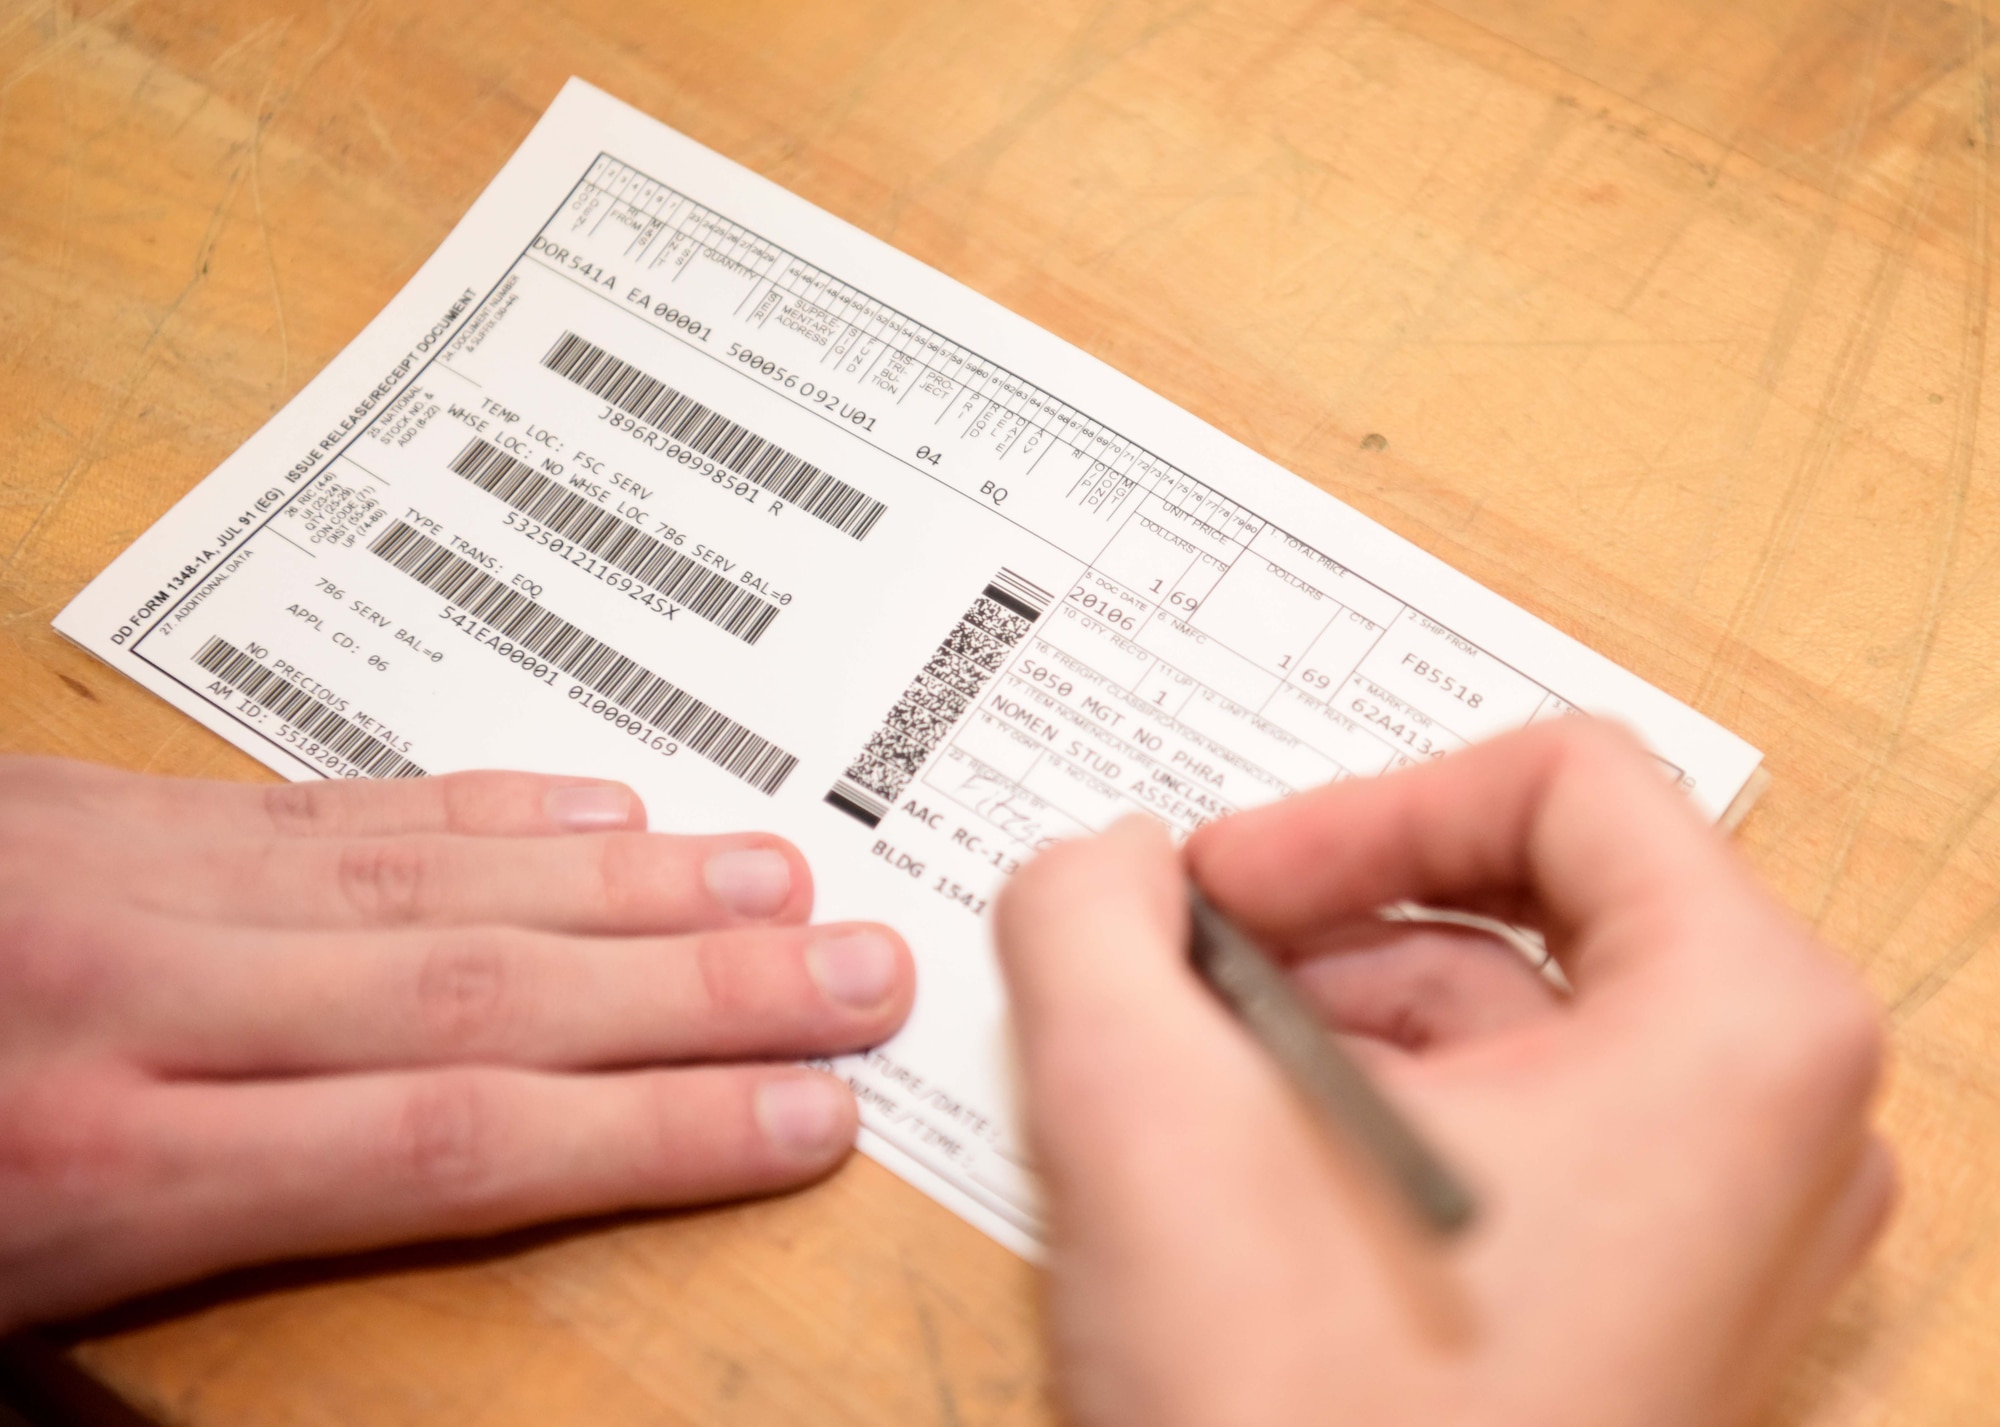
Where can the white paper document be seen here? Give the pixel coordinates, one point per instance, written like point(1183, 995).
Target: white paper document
point(657, 472)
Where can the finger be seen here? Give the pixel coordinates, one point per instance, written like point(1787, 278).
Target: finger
point(1420, 987)
point(474, 804)
point(1802, 1285)
point(1140, 915)
point(247, 1172)
point(1854, 1222)
point(1572, 816)
point(1134, 1074)
point(485, 804)
point(239, 1003)
point(608, 884)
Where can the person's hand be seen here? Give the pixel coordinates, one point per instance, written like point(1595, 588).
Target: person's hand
point(1675, 1166)
point(244, 1022)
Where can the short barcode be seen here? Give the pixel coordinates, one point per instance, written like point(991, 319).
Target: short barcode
point(729, 606)
point(632, 687)
point(681, 417)
point(302, 711)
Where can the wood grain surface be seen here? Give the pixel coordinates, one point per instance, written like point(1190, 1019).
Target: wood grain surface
point(1667, 319)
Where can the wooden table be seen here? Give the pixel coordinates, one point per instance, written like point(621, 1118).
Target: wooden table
point(1667, 319)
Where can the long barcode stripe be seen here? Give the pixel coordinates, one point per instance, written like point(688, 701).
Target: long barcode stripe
point(626, 683)
point(681, 417)
point(731, 607)
point(303, 711)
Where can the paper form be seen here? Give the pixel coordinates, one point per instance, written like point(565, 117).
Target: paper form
point(657, 472)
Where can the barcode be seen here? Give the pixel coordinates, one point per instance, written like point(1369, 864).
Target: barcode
point(715, 598)
point(634, 688)
point(304, 712)
point(978, 646)
point(681, 417)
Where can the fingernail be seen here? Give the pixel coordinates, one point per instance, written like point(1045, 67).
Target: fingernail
point(803, 1116)
point(857, 969)
point(750, 881)
point(590, 807)
point(1138, 827)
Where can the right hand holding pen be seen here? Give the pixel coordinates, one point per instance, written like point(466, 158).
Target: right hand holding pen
point(1675, 1165)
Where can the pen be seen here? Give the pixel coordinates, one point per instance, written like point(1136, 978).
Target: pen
point(1267, 1006)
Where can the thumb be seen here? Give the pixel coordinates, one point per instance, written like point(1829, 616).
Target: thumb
point(1089, 924)
point(1131, 1067)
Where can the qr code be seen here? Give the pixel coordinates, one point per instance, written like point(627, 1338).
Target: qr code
point(899, 747)
point(970, 645)
point(997, 620)
point(976, 649)
point(958, 674)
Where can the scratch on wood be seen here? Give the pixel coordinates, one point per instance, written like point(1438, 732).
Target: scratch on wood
point(69, 34)
point(245, 40)
point(1796, 302)
point(947, 1399)
point(378, 129)
point(1959, 466)
point(1978, 937)
point(1557, 122)
point(1845, 381)
point(259, 121)
point(142, 362)
point(1083, 63)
